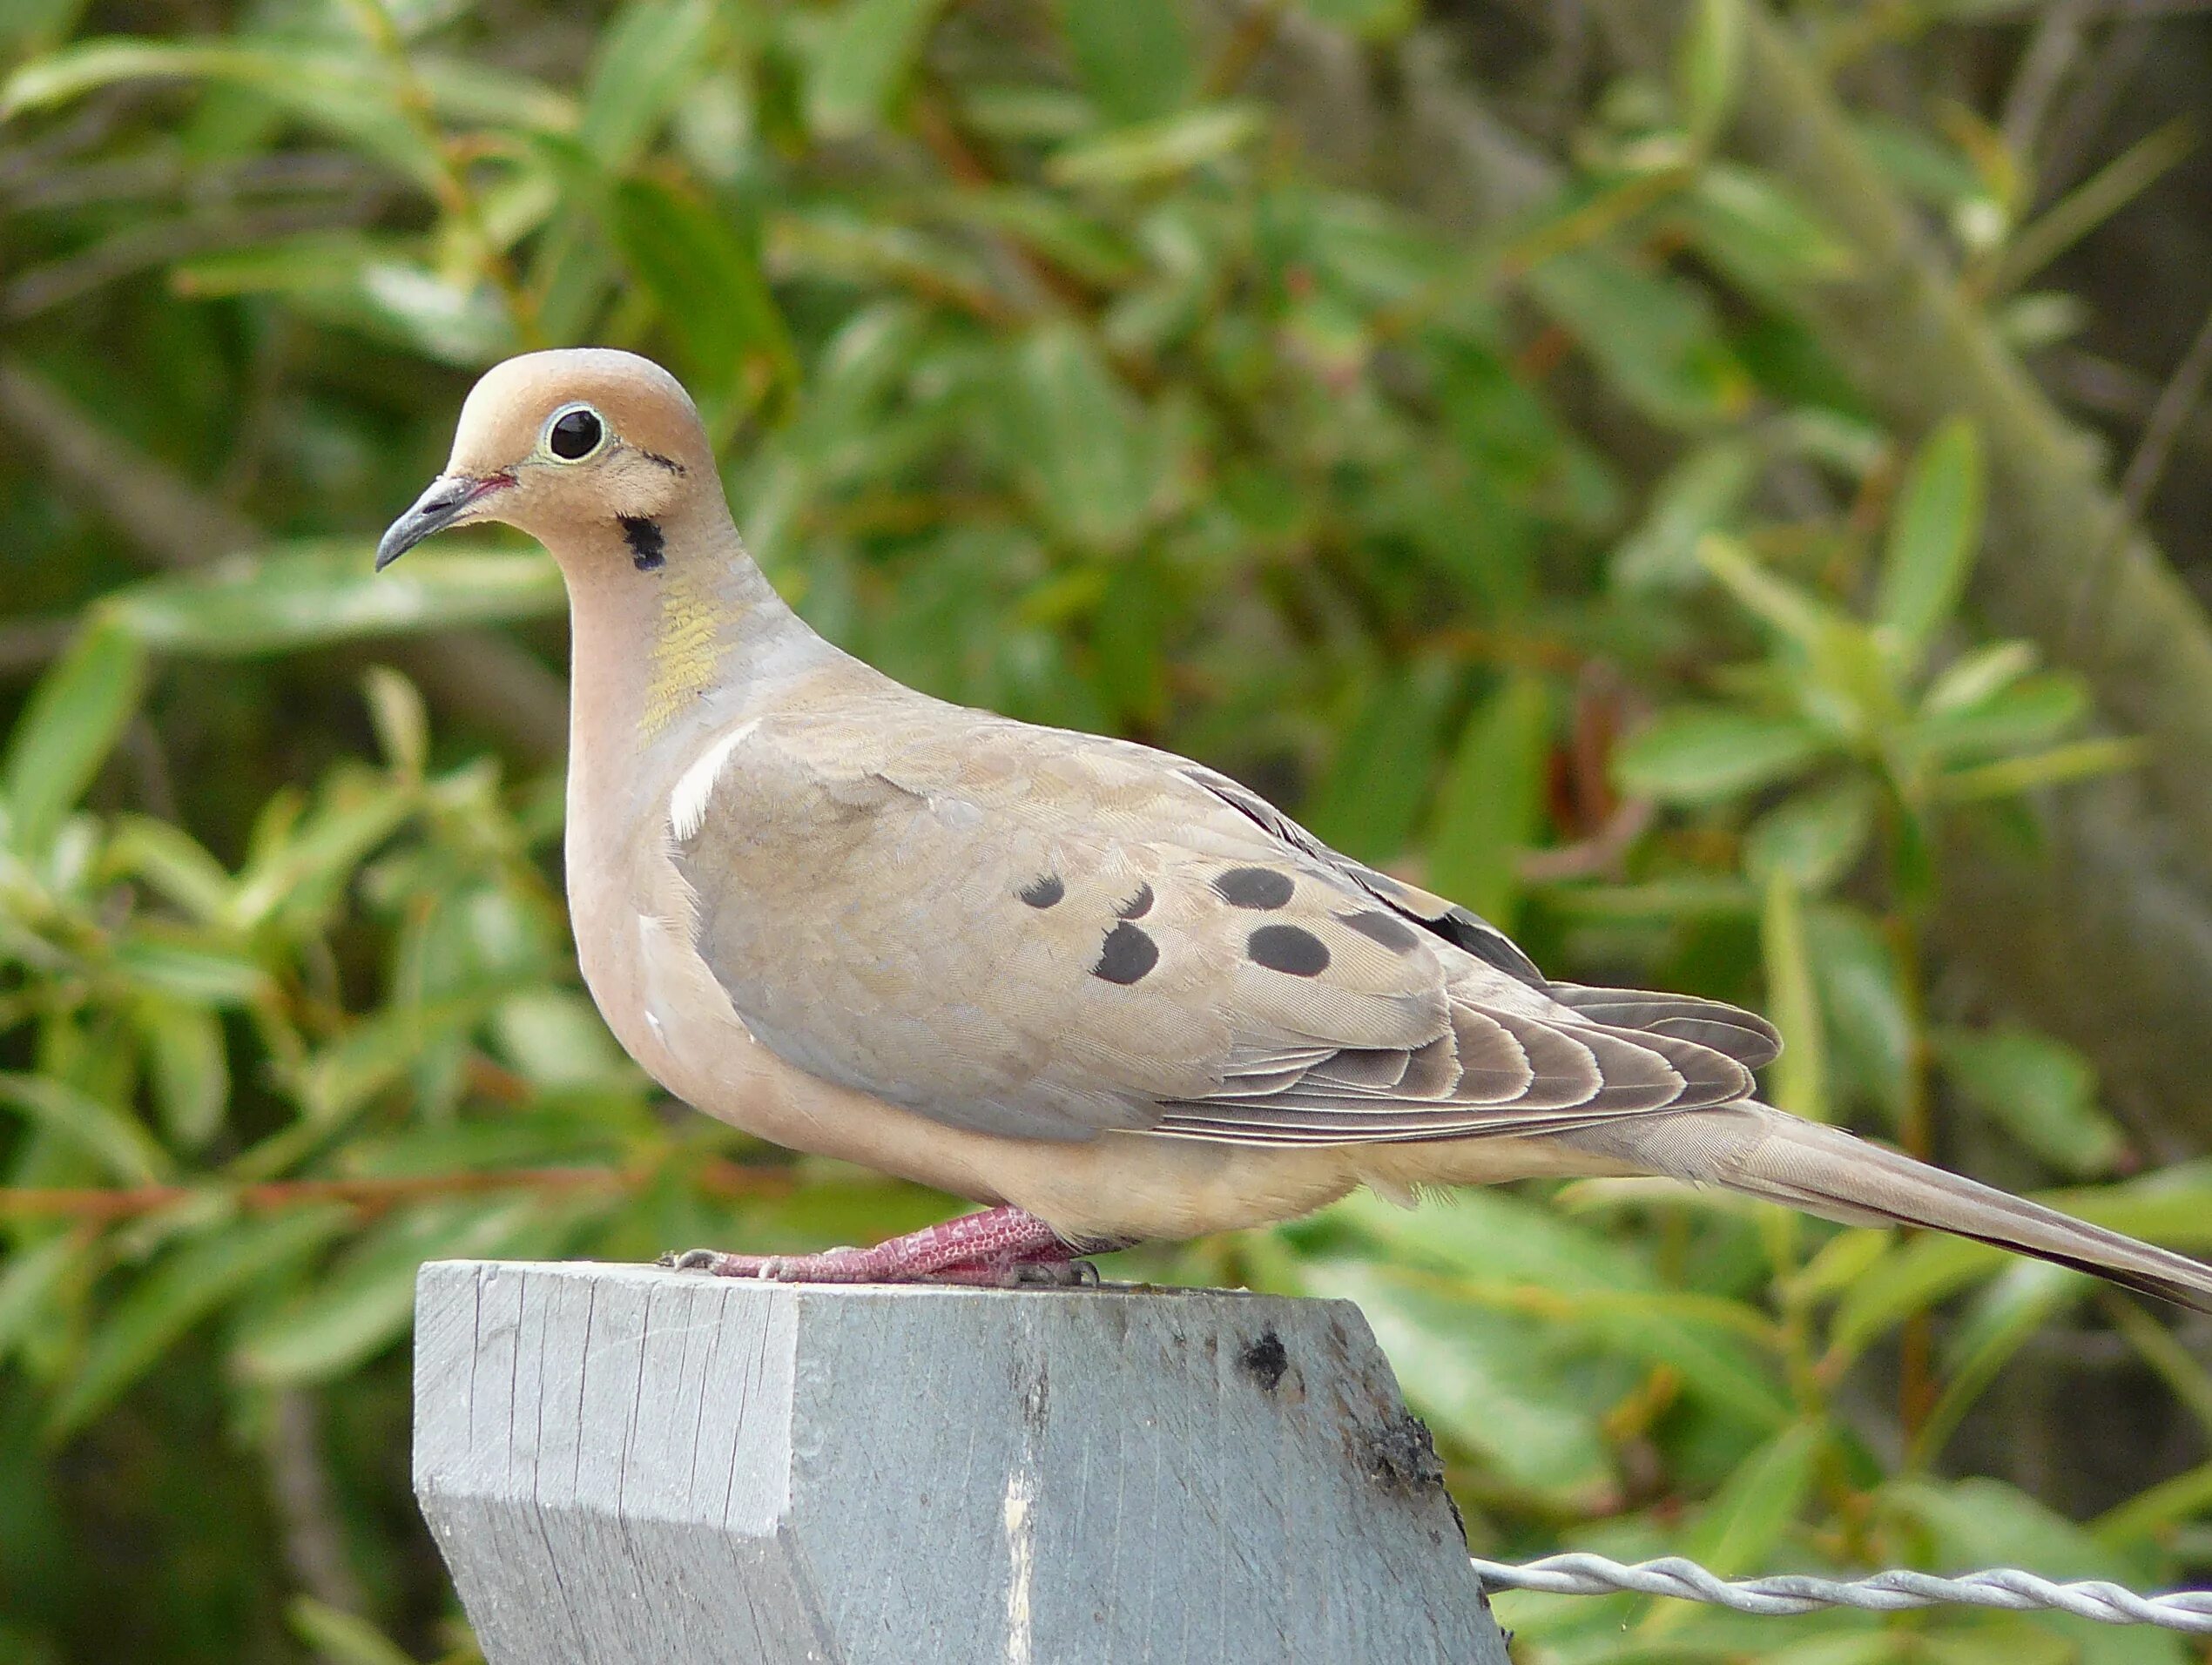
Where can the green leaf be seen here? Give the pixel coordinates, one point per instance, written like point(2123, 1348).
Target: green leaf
point(1368, 801)
point(1134, 55)
point(111, 1137)
point(188, 1067)
point(346, 93)
point(1709, 67)
point(707, 286)
point(863, 61)
point(1369, 19)
point(186, 969)
point(2030, 712)
point(29, 1279)
point(2040, 1090)
point(1699, 495)
point(1654, 335)
point(368, 285)
point(1501, 1246)
point(1491, 806)
point(76, 715)
point(1801, 1073)
point(1740, 1530)
point(303, 595)
point(341, 1638)
point(1862, 994)
point(1978, 677)
point(2008, 777)
point(1091, 459)
point(1759, 235)
point(170, 862)
point(1701, 755)
point(646, 59)
point(1933, 538)
point(367, 1300)
point(1157, 150)
point(192, 1281)
point(1815, 838)
point(1489, 1382)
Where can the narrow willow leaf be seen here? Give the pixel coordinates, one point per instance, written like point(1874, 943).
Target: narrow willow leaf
point(1709, 67)
point(1092, 460)
point(202, 969)
point(346, 93)
point(1744, 1525)
point(1701, 755)
point(1483, 1379)
point(1653, 334)
point(302, 594)
point(366, 1301)
point(1977, 676)
point(401, 721)
point(1862, 994)
point(170, 862)
point(2039, 1089)
point(342, 1638)
point(864, 61)
point(2031, 712)
point(1933, 538)
point(707, 283)
point(1801, 1074)
point(645, 60)
point(1816, 838)
point(1490, 808)
point(1698, 497)
point(1134, 55)
point(188, 1067)
point(1500, 1245)
point(111, 1137)
point(2017, 1303)
point(1157, 150)
point(76, 715)
point(192, 1281)
point(30, 1278)
point(1755, 232)
point(1369, 798)
point(2008, 777)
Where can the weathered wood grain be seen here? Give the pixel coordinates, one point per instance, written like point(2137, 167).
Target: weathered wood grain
point(629, 1466)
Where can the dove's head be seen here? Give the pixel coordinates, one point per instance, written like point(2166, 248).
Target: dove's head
point(587, 449)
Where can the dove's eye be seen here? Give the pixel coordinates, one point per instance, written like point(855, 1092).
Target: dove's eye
point(575, 433)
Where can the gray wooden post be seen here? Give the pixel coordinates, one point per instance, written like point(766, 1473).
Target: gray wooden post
point(629, 1466)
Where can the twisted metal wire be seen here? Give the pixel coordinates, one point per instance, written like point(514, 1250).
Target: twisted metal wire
point(2002, 1587)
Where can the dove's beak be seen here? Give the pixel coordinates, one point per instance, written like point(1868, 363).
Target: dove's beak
point(445, 503)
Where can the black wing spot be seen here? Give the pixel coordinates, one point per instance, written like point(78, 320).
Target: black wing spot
point(647, 546)
point(1138, 906)
point(1288, 948)
point(1042, 891)
point(1126, 955)
point(1262, 889)
point(1387, 928)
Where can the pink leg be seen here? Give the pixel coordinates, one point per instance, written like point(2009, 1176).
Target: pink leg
point(997, 1246)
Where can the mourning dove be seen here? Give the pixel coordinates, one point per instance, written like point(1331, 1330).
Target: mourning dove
point(1108, 991)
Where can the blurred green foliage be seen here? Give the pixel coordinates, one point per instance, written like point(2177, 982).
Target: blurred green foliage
point(1555, 562)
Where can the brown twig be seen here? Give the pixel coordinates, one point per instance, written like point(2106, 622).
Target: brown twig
point(2183, 392)
point(722, 1177)
point(482, 675)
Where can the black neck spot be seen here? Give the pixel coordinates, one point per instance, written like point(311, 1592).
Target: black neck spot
point(648, 551)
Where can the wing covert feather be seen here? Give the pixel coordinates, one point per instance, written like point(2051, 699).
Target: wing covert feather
point(1043, 934)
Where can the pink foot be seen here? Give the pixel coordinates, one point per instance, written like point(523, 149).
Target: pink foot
point(996, 1248)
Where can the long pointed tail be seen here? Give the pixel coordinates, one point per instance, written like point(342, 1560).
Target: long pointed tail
point(1767, 1153)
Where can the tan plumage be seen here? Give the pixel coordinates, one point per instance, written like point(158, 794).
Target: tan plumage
point(1093, 980)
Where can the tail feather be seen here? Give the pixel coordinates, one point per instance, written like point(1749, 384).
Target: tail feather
point(1767, 1153)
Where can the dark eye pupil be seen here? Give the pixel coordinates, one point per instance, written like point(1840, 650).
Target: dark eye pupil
point(575, 434)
